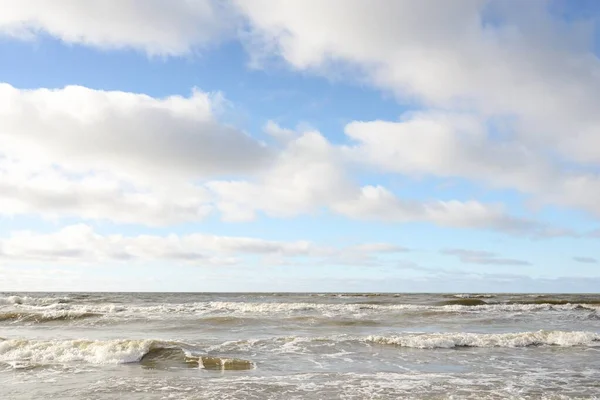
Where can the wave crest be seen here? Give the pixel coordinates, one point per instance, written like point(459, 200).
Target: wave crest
point(62, 315)
point(461, 339)
point(34, 301)
point(148, 353)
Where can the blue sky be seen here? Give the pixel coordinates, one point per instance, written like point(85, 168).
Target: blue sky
point(300, 146)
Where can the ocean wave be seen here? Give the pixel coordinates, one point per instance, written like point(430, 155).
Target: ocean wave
point(30, 300)
point(472, 296)
point(460, 339)
point(414, 340)
point(148, 353)
point(60, 315)
point(221, 311)
point(279, 308)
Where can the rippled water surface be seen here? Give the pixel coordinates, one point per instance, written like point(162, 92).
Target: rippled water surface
point(298, 346)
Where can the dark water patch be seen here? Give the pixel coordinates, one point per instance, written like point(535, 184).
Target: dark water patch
point(463, 302)
point(167, 358)
point(176, 358)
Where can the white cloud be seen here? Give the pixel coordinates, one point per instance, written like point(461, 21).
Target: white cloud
point(483, 257)
point(131, 158)
point(81, 244)
point(123, 133)
point(53, 195)
point(308, 174)
point(476, 62)
point(381, 248)
point(448, 145)
point(281, 134)
point(487, 55)
point(378, 203)
point(311, 174)
point(457, 145)
point(120, 156)
point(154, 26)
point(480, 63)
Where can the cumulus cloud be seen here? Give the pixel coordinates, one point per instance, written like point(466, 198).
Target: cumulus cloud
point(123, 133)
point(81, 244)
point(445, 144)
point(513, 89)
point(311, 174)
point(474, 62)
point(54, 195)
point(126, 157)
point(308, 174)
point(131, 158)
point(483, 257)
point(378, 203)
point(153, 26)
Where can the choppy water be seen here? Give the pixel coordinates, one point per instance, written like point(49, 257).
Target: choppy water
point(298, 346)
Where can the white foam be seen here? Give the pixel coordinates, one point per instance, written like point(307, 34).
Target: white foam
point(462, 339)
point(279, 309)
point(270, 308)
point(43, 352)
point(33, 301)
point(46, 315)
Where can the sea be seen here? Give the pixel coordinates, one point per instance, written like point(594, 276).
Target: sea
point(299, 346)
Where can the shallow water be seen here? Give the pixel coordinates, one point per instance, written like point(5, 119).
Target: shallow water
point(298, 346)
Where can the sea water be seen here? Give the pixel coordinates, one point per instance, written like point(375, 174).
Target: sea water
point(298, 346)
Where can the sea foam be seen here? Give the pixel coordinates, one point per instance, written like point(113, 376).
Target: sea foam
point(462, 339)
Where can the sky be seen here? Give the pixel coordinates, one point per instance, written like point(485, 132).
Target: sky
point(300, 145)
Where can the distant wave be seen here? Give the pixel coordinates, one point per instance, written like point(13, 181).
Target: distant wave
point(148, 353)
point(60, 315)
point(29, 300)
point(459, 305)
point(16, 308)
point(467, 301)
point(459, 339)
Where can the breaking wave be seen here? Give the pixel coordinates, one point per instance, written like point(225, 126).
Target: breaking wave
point(61, 315)
point(458, 305)
point(148, 353)
point(29, 310)
point(35, 301)
point(521, 339)
point(472, 296)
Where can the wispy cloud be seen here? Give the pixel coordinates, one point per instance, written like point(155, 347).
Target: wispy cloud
point(586, 260)
point(81, 244)
point(483, 257)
